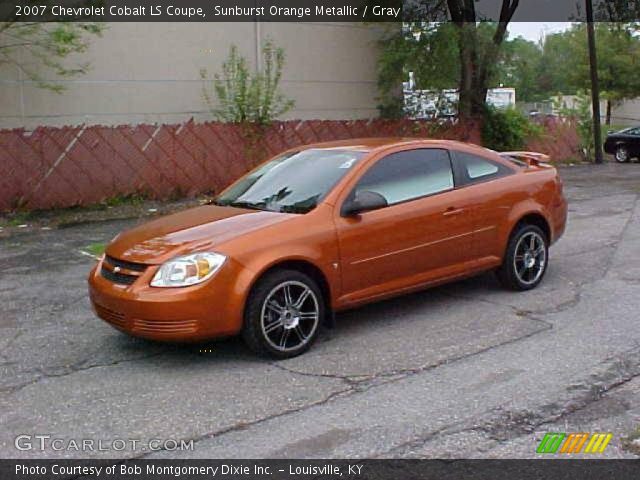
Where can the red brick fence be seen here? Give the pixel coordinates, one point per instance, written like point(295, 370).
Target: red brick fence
point(62, 167)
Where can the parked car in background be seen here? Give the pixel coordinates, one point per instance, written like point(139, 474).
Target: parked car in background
point(623, 145)
point(328, 227)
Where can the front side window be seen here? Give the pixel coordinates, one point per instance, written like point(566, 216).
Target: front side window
point(407, 175)
point(292, 183)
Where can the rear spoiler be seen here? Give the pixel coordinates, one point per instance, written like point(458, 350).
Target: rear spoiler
point(533, 159)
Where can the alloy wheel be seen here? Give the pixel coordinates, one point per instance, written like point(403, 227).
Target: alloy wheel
point(622, 154)
point(290, 316)
point(530, 258)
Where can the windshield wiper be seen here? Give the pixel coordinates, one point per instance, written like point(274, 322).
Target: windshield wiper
point(295, 209)
point(249, 205)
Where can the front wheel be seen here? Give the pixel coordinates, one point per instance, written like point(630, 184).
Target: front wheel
point(283, 314)
point(622, 154)
point(525, 261)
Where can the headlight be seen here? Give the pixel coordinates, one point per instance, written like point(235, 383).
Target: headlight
point(188, 270)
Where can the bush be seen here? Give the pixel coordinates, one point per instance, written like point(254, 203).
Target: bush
point(581, 113)
point(509, 129)
point(247, 97)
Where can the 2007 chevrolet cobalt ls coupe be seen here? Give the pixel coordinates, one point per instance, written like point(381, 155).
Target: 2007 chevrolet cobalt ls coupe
point(327, 227)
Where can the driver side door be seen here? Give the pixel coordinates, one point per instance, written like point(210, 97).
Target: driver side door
point(423, 234)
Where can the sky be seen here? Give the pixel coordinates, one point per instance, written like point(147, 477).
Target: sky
point(534, 31)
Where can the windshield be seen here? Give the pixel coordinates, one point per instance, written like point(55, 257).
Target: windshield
point(293, 183)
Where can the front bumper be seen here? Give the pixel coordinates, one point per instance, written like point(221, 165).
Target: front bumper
point(200, 312)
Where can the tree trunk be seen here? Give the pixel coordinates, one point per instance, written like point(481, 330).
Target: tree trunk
point(473, 75)
point(475, 65)
point(467, 71)
point(608, 117)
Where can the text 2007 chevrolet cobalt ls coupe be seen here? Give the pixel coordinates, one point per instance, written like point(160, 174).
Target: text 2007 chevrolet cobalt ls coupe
point(327, 227)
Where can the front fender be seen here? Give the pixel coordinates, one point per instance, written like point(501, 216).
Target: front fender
point(266, 260)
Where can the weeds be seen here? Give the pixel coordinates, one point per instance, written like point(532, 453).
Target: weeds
point(95, 249)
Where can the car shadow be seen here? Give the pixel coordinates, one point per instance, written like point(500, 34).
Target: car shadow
point(349, 323)
point(394, 309)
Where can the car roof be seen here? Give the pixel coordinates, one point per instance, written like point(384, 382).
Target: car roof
point(380, 143)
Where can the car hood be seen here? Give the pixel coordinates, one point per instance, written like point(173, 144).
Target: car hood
point(197, 229)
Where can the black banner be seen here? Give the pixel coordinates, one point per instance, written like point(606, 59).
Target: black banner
point(564, 469)
point(307, 10)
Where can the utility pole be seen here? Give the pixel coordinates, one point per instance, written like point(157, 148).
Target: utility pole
point(595, 87)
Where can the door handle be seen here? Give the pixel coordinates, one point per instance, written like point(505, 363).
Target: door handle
point(453, 211)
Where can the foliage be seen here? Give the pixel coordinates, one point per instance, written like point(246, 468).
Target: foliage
point(427, 50)
point(560, 64)
point(519, 66)
point(478, 57)
point(581, 112)
point(565, 62)
point(15, 219)
point(617, 11)
point(130, 199)
point(39, 49)
point(463, 53)
point(432, 52)
point(246, 97)
point(505, 130)
point(96, 249)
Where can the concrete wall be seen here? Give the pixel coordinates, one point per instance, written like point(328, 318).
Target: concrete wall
point(149, 72)
point(625, 113)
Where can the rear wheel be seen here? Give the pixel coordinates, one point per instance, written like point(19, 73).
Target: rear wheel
point(525, 261)
point(283, 314)
point(622, 154)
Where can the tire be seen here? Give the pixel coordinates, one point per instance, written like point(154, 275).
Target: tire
point(522, 268)
point(282, 325)
point(622, 154)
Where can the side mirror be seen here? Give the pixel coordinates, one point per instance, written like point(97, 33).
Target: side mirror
point(364, 201)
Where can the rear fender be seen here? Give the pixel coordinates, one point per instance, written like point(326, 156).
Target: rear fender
point(518, 212)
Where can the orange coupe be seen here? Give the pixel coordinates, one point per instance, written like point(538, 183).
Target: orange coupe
point(327, 227)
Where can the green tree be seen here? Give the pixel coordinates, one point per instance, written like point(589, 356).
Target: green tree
point(519, 67)
point(427, 50)
point(478, 57)
point(468, 44)
point(41, 50)
point(565, 62)
point(618, 64)
point(431, 52)
point(581, 113)
point(247, 97)
point(555, 64)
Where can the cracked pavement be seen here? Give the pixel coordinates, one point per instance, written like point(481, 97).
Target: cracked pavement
point(464, 370)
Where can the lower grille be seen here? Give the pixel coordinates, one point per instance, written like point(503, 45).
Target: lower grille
point(114, 318)
point(164, 327)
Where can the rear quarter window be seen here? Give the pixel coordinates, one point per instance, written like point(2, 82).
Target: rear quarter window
point(472, 168)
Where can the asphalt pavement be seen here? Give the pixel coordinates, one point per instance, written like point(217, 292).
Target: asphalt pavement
point(463, 370)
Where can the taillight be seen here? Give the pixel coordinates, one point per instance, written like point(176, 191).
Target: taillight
point(560, 186)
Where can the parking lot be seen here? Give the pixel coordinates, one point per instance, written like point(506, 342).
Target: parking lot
point(463, 370)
